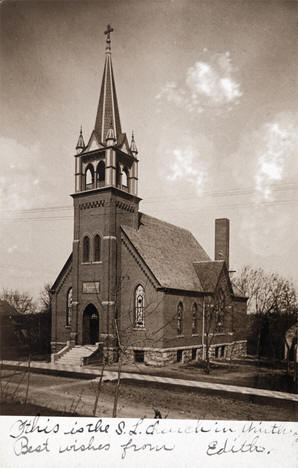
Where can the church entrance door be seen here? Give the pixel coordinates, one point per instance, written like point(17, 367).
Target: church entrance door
point(90, 325)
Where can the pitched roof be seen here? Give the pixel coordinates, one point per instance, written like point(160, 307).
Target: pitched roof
point(169, 251)
point(209, 272)
point(6, 309)
point(237, 292)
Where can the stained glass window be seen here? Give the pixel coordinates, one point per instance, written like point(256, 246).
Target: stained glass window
point(69, 307)
point(194, 319)
point(139, 306)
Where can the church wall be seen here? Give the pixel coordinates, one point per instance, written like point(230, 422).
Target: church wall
point(186, 338)
point(134, 273)
point(104, 211)
point(100, 212)
point(60, 332)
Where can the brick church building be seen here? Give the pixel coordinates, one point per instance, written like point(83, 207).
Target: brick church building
point(134, 284)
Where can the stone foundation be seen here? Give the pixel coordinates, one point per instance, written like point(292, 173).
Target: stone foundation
point(57, 346)
point(110, 355)
point(163, 357)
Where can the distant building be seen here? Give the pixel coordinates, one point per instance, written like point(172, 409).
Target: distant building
point(134, 280)
point(9, 337)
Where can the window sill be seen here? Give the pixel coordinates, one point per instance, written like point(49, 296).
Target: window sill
point(86, 263)
point(97, 262)
point(139, 329)
point(195, 334)
point(180, 336)
point(68, 327)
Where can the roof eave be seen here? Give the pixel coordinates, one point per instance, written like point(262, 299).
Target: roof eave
point(189, 292)
point(60, 275)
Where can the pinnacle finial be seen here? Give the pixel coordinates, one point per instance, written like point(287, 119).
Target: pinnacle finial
point(80, 144)
point(133, 146)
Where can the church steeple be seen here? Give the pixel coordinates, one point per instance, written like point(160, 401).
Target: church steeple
point(107, 160)
point(107, 110)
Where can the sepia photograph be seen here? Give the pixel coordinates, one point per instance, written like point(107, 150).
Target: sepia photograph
point(148, 200)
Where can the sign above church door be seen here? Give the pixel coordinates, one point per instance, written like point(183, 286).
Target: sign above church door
point(91, 287)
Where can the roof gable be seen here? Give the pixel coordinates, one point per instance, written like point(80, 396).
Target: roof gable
point(122, 143)
point(237, 292)
point(62, 274)
point(169, 252)
point(209, 273)
point(93, 143)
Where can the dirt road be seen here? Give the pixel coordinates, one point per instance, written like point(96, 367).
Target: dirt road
point(139, 400)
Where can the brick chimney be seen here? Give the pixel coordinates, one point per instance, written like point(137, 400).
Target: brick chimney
point(222, 240)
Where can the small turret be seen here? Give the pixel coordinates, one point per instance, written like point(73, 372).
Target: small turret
point(133, 146)
point(80, 144)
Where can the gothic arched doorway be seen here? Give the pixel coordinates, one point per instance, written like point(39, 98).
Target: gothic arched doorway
point(90, 325)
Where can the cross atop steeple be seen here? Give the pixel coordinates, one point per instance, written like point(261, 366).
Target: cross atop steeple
point(107, 33)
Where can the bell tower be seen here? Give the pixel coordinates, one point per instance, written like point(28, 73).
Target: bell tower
point(106, 197)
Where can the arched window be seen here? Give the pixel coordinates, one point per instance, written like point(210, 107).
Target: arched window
point(125, 177)
point(118, 175)
point(180, 319)
point(220, 309)
point(194, 325)
point(97, 248)
point(86, 249)
point(89, 177)
point(100, 174)
point(139, 306)
point(69, 307)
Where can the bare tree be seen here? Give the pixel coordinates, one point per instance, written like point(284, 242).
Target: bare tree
point(123, 325)
point(21, 301)
point(216, 316)
point(269, 295)
point(45, 298)
point(266, 292)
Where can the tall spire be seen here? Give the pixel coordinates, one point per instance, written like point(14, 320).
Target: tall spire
point(107, 110)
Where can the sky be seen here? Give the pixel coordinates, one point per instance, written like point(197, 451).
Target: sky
point(209, 89)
